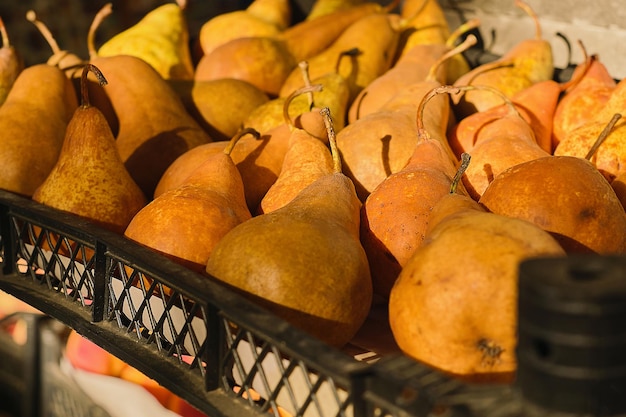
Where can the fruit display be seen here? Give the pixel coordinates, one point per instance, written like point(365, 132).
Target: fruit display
point(350, 163)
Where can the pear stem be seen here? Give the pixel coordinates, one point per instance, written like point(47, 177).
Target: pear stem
point(332, 139)
point(465, 160)
point(304, 90)
point(530, 12)
point(4, 34)
point(588, 61)
point(464, 28)
point(462, 47)
point(233, 141)
point(106, 10)
point(304, 69)
point(31, 16)
point(603, 135)
point(84, 91)
point(421, 130)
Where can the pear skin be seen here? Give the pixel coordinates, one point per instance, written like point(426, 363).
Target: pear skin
point(304, 261)
point(11, 64)
point(185, 223)
point(161, 38)
point(41, 92)
point(321, 8)
point(89, 178)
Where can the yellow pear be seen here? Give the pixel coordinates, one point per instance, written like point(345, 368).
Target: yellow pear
point(161, 38)
point(11, 63)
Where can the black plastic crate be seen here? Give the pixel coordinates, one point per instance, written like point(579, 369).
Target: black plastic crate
point(220, 352)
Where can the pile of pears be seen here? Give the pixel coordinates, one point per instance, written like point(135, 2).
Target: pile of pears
point(324, 167)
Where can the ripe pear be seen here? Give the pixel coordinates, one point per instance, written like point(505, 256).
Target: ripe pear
point(154, 126)
point(185, 224)
point(67, 61)
point(33, 120)
point(395, 215)
point(304, 261)
point(566, 196)
point(11, 64)
point(454, 304)
point(583, 101)
point(528, 62)
point(374, 54)
point(161, 38)
point(264, 62)
point(424, 23)
point(264, 18)
point(220, 106)
point(306, 159)
point(608, 155)
point(89, 178)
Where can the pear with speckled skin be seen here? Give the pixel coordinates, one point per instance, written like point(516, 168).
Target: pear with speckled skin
point(89, 178)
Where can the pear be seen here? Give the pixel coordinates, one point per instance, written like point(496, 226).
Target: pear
point(528, 62)
point(185, 224)
point(220, 106)
point(89, 178)
point(454, 304)
point(566, 196)
point(67, 61)
point(306, 159)
point(609, 156)
point(395, 215)
point(264, 18)
point(161, 38)
point(263, 61)
point(374, 55)
point(11, 64)
point(583, 101)
point(304, 261)
point(33, 120)
point(424, 23)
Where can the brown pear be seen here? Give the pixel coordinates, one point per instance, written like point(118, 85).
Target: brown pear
point(33, 120)
point(304, 261)
point(89, 178)
point(185, 223)
point(11, 63)
point(306, 159)
point(395, 215)
point(454, 304)
point(566, 196)
point(528, 62)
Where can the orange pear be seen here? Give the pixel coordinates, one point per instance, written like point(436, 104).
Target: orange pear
point(11, 63)
point(185, 223)
point(395, 215)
